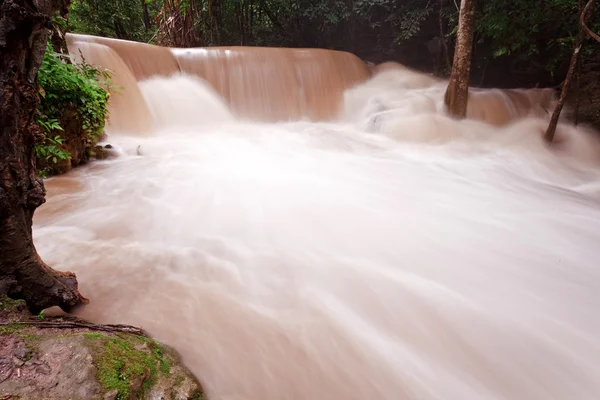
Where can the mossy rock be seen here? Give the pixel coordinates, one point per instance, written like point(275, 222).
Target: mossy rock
point(82, 364)
point(12, 306)
point(132, 367)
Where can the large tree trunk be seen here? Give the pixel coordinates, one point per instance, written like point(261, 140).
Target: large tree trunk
point(457, 94)
point(24, 31)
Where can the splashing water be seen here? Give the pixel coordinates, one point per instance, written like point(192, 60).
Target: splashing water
point(414, 257)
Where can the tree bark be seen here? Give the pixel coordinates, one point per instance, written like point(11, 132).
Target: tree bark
point(24, 32)
point(147, 23)
point(457, 94)
point(549, 135)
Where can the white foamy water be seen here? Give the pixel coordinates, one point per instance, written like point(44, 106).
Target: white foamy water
point(421, 258)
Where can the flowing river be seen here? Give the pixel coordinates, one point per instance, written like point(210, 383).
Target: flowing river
point(388, 253)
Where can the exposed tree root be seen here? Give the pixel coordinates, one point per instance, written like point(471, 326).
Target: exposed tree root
point(69, 323)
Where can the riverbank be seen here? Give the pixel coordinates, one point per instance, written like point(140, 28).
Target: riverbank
point(69, 358)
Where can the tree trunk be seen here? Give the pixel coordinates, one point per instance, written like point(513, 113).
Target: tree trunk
point(147, 23)
point(120, 30)
point(24, 31)
point(585, 14)
point(457, 94)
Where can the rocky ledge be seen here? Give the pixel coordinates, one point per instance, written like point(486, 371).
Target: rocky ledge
point(67, 358)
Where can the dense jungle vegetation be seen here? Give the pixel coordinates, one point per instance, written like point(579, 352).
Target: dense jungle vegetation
point(517, 43)
point(72, 111)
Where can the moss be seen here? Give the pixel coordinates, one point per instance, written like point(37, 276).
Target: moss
point(197, 395)
point(124, 361)
point(159, 353)
point(32, 341)
point(11, 329)
point(9, 305)
point(121, 364)
point(94, 335)
point(178, 380)
point(21, 331)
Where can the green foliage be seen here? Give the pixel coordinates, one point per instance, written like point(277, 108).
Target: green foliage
point(9, 305)
point(80, 85)
point(527, 30)
point(123, 360)
point(11, 329)
point(165, 364)
point(197, 395)
point(62, 87)
point(50, 125)
point(122, 363)
point(123, 19)
point(408, 21)
point(527, 36)
point(50, 147)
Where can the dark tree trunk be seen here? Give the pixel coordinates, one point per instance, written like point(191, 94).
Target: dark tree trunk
point(120, 30)
point(585, 14)
point(24, 31)
point(147, 23)
point(457, 94)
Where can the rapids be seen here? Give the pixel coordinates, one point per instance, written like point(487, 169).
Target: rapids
point(393, 253)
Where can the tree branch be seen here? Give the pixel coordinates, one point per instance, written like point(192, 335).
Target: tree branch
point(549, 136)
point(583, 23)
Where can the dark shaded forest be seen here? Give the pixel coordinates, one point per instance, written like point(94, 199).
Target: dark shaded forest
point(517, 42)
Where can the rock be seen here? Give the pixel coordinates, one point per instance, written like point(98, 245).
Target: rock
point(98, 153)
point(68, 368)
point(81, 364)
point(34, 360)
point(6, 368)
point(20, 352)
point(111, 395)
point(43, 369)
point(108, 146)
point(17, 362)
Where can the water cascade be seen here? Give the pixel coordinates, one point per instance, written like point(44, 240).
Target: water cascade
point(390, 253)
point(267, 84)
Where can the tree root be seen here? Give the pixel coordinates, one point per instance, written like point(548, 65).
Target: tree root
point(59, 322)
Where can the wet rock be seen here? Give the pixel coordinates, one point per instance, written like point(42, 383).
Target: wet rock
point(52, 364)
point(108, 146)
point(98, 153)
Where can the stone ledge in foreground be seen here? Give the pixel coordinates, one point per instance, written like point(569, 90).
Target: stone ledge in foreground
point(57, 358)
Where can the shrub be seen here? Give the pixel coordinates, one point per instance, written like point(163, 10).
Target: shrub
point(66, 86)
